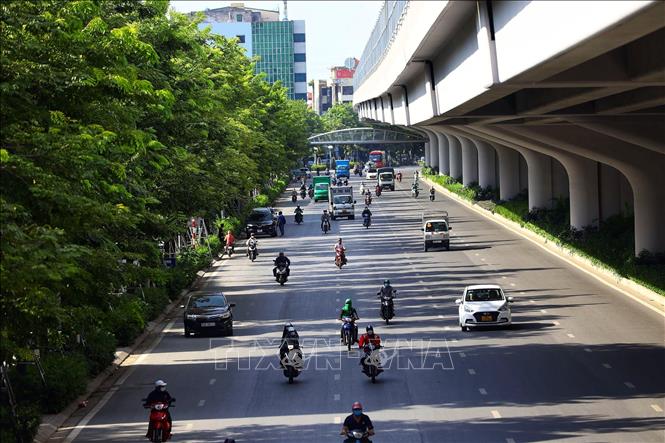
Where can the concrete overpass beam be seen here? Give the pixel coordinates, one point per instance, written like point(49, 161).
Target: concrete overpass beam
point(486, 166)
point(455, 151)
point(509, 172)
point(469, 162)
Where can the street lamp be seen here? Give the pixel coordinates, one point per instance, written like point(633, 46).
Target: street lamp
point(330, 148)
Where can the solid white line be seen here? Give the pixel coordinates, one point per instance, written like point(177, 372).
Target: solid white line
point(336, 397)
point(607, 366)
point(656, 408)
point(201, 403)
point(496, 414)
point(629, 385)
point(483, 391)
point(212, 381)
point(337, 420)
point(472, 372)
point(189, 426)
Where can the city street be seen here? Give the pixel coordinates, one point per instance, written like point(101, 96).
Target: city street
point(582, 362)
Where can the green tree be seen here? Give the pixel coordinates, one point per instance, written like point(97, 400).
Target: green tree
point(340, 116)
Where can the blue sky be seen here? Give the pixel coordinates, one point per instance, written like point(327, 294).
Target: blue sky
point(335, 29)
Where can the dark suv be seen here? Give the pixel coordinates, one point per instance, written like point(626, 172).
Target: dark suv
point(208, 313)
point(261, 221)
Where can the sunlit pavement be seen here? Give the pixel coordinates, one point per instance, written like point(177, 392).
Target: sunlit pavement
point(581, 363)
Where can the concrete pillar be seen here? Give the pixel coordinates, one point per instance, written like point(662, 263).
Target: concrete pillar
point(455, 152)
point(540, 179)
point(626, 196)
point(434, 150)
point(649, 195)
point(427, 155)
point(609, 190)
point(486, 167)
point(444, 155)
point(469, 162)
point(509, 172)
point(583, 181)
point(560, 187)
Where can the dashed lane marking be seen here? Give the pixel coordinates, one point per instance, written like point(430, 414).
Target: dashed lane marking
point(496, 414)
point(522, 292)
point(337, 420)
point(510, 440)
point(337, 377)
point(201, 403)
point(555, 323)
point(337, 300)
point(587, 350)
point(441, 316)
point(607, 366)
point(462, 354)
point(512, 284)
point(336, 397)
point(482, 391)
point(472, 372)
point(629, 385)
point(571, 335)
point(189, 426)
point(656, 408)
point(544, 311)
point(532, 301)
point(212, 381)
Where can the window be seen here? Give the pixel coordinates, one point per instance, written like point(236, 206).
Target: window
point(238, 17)
point(300, 77)
point(298, 57)
point(347, 90)
point(298, 38)
point(241, 38)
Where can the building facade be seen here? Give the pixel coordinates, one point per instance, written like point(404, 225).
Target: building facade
point(278, 46)
point(338, 89)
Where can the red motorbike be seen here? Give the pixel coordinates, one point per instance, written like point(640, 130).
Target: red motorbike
point(159, 428)
point(377, 191)
point(399, 177)
point(340, 259)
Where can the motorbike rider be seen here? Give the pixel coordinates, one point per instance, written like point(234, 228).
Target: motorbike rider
point(159, 395)
point(289, 337)
point(294, 194)
point(252, 242)
point(367, 213)
point(229, 240)
point(349, 311)
point(341, 250)
point(414, 187)
point(282, 260)
point(386, 291)
point(415, 174)
point(362, 187)
point(325, 217)
point(357, 421)
point(368, 337)
point(298, 210)
point(431, 193)
point(399, 176)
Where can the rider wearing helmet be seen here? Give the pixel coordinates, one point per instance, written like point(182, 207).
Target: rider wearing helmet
point(282, 260)
point(368, 337)
point(340, 249)
point(159, 395)
point(386, 290)
point(325, 217)
point(357, 421)
point(289, 337)
point(349, 311)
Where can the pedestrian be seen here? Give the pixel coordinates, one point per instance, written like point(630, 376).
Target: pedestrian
point(281, 221)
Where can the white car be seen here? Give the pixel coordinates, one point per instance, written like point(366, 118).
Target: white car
point(484, 305)
point(371, 174)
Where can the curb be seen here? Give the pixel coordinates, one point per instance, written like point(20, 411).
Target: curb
point(637, 292)
point(52, 423)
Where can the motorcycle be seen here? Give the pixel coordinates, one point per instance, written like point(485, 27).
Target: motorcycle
point(387, 306)
point(348, 332)
point(298, 217)
point(160, 428)
point(340, 259)
point(357, 437)
point(280, 274)
point(414, 192)
point(292, 363)
point(334, 181)
point(228, 250)
point(368, 200)
point(399, 177)
point(346, 182)
point(367, 221)
point(303, 194)
point(310, 193)
point(294, 197)
point(326, 226)
point(252, 252)
point(431, 196)
point(378, 191)
point(371, 362)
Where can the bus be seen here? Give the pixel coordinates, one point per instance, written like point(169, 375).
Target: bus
point(378, 158)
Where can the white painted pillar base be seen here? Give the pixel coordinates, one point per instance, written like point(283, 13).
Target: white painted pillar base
point(486, 166)
point(455, 151)
point(583, 182)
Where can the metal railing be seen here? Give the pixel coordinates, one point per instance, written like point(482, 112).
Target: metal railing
point(382, 36)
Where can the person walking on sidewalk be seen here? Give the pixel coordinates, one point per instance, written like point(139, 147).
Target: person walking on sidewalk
point(281, 221)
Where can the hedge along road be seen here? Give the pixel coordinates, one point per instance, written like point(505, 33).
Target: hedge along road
point(580, 360)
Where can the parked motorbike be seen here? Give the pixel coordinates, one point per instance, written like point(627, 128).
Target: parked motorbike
point(292, 363)
point(367, 221)
point(371, 362)
point(326, 226)
point(348, 332)
point(252, 252)
point(298, 217)
point(160, 428)
point(387, 306)
point(280, 275)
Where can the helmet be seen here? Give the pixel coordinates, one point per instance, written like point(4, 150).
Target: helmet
point(386, 282)
point(281, 254)
point(356, 405)
point(160, 383)
point(369, 329)
point(325, 210)
point(251, 235)
point(339, 239)
point(348, 301)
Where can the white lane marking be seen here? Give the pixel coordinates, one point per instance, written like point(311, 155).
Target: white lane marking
point(337, 420)
point(189, 426)
point(656, 408)
point(336, 397)
point(462, 354)
point(446, 328)
point(212, 381)
point(496, 414)
point(555, 323)
point(476, 254)
point(571, 335)
point(201, 403)
point(441, 316)
point(338, 292)
point(503, 276)
point(607, 366)
point(83, 423)
point(522, 292)
point(587, 350)
point(337, 300)
point(337, 377)
point(532, 301)
point(472, 372)
point(429, 296)
point(512, 284)
point(510, 440)
point(544, 311)
point(454, 339)
point(629, 385)
point(483, 391)
point(482, 259)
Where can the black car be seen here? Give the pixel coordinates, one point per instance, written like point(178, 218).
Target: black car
point(208, 313)
point(261, 221)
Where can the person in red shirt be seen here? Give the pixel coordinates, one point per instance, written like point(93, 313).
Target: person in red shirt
point(368, 337)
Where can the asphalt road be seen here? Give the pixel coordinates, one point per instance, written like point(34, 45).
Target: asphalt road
point(582, 362)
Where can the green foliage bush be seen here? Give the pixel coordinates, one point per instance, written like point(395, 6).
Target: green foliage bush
point(318, 167)
point(156, 300)
point(261, 201)
point(99, 349)
point(66, 377)
point(126, 319)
